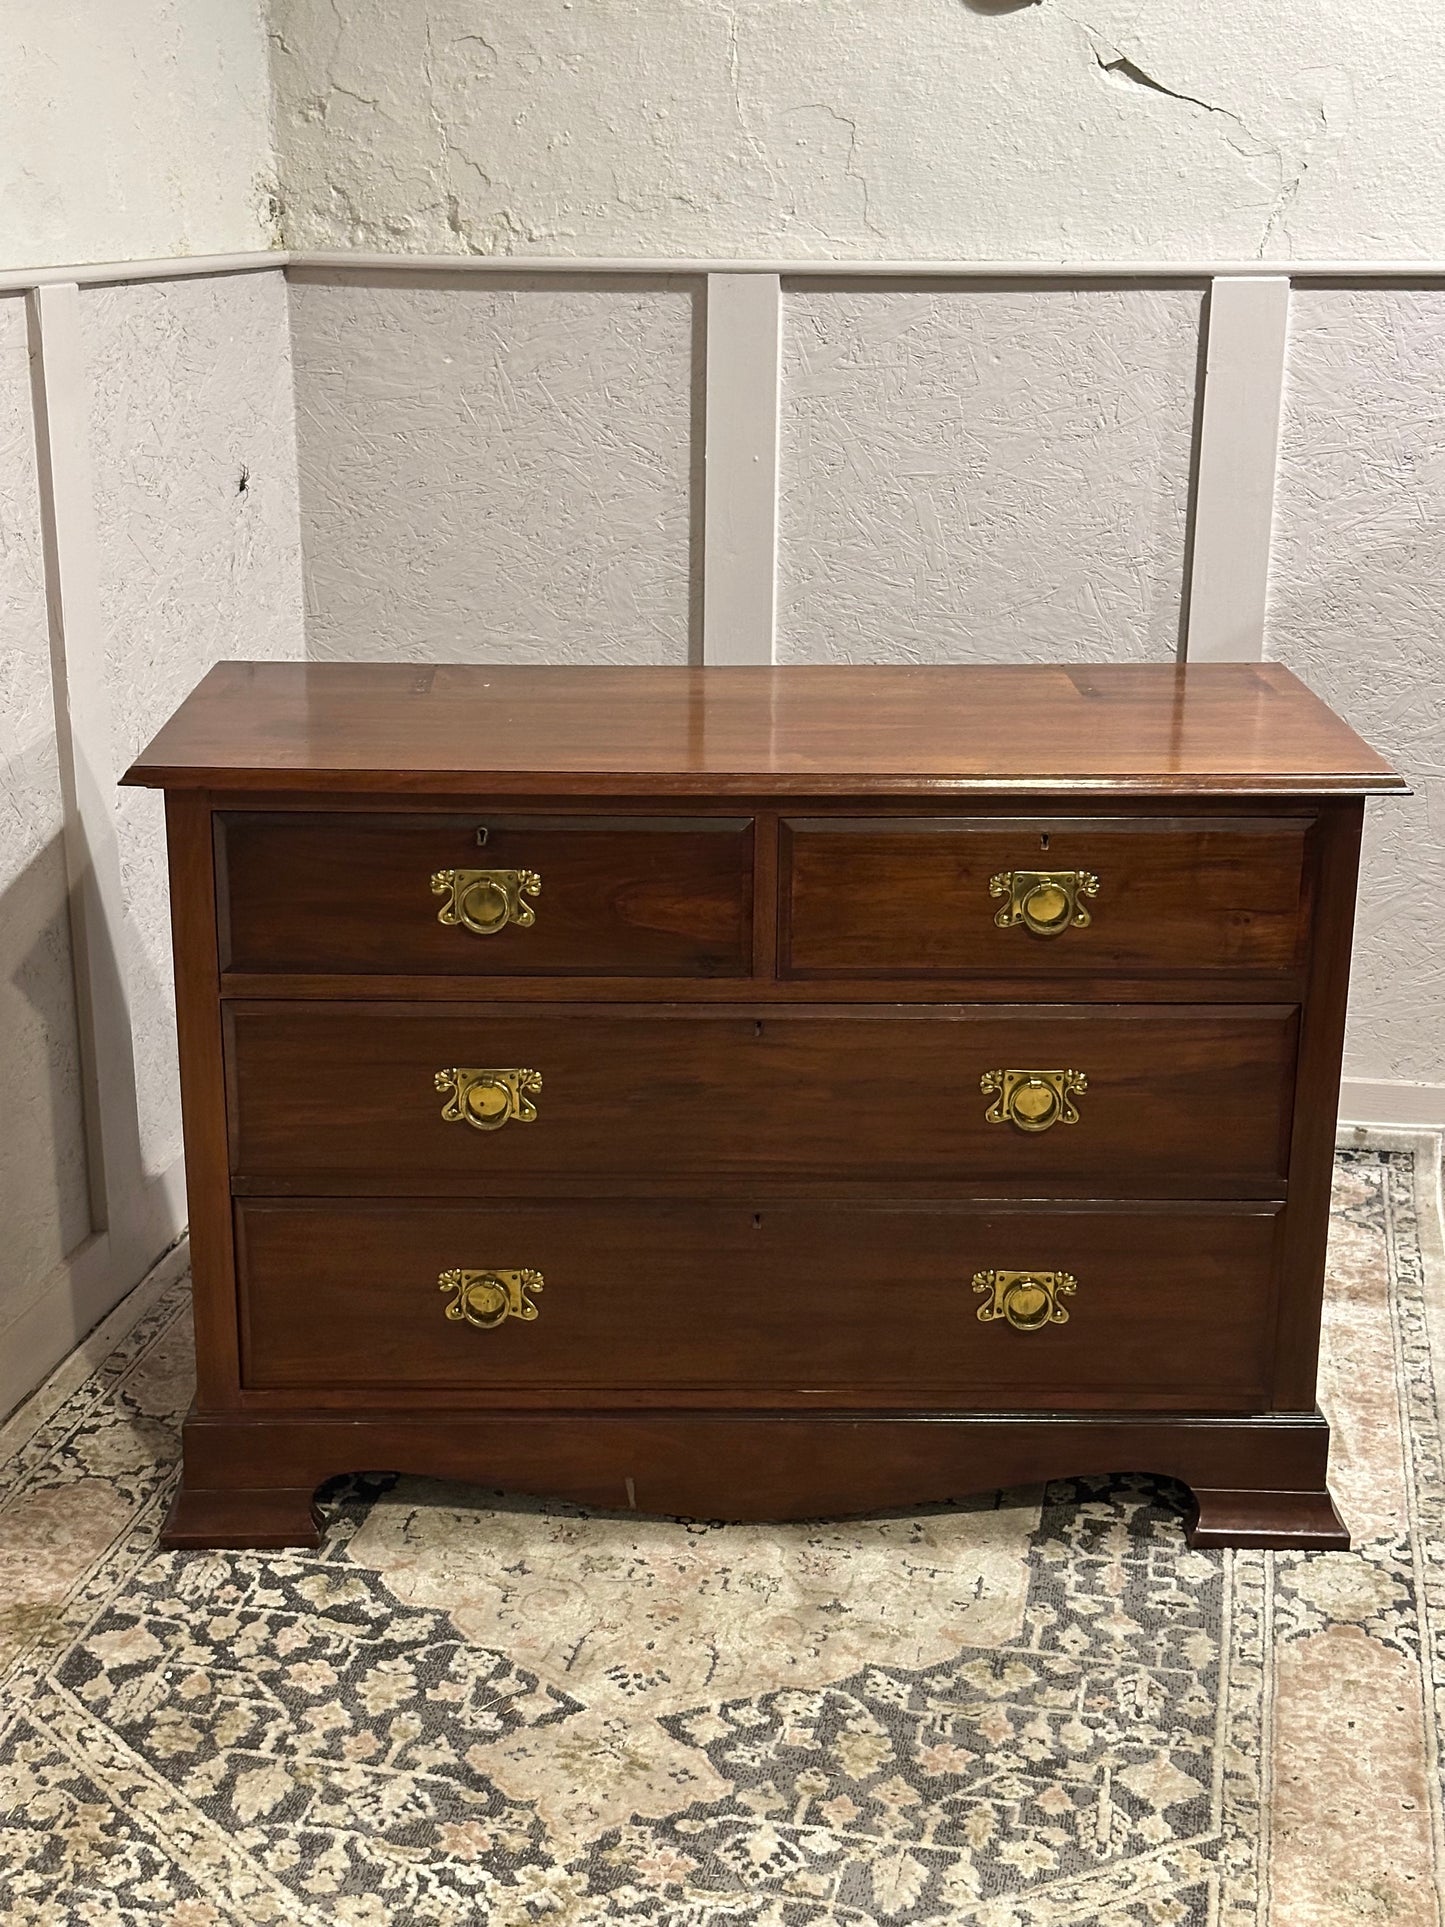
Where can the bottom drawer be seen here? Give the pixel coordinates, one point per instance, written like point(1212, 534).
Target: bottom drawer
point(590, 1303)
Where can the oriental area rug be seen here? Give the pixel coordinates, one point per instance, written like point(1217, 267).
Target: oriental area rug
point(1036, 1707)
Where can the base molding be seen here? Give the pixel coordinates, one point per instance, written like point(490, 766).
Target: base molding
point(249, 1478)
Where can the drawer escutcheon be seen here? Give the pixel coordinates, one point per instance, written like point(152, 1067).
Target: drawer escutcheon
point(486, 901)
point(488, 1099)
point(1045, 902)
point(1028, 1300)
point(487, 1298)
point(1033, 1100)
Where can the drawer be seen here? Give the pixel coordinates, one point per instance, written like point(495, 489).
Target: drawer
point(1042, 898)
point(543, 896)
point(782, 1304)
point(1177, 1101)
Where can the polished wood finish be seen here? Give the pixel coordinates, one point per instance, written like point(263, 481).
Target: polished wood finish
point(890, 898)
point(1151, 730)
point(1192, 1102)
point(791, 1305)
point(760, 1179)
point(1255, 1481)
point(621, 896)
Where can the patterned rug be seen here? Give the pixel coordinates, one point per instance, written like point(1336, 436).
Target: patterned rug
point(1035, 1708)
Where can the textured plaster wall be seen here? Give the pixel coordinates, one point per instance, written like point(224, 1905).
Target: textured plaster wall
point(1355, 594)
point(982, 475)
point(497, 473)
point(943, 129)
point(131, 129)
point(44, 1207)
point(193, 441)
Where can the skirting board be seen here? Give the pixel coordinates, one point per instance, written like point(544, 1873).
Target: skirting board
point(1383, 1102)
point(86, 1288)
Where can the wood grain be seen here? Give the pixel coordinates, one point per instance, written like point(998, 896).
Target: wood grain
point(834, 1305)
point(1262, 1477)
point(909, 899)
point(758, 1200)
point(632, 896)
point(1147, 729)
point(340, 1097)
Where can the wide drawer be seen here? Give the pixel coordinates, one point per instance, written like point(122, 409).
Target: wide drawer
point(1042, 898)
point(1181, 1101)
point(785, 1304)
point(542, 895)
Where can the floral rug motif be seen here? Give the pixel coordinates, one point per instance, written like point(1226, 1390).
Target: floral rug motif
point(1032, 1709)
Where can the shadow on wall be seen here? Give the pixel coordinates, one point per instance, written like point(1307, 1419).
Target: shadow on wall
point(52, 1190)
point(44, 1180)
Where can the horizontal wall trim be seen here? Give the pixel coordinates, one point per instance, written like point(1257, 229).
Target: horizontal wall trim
point(182, 267)
point(192, 266)
point(829, 268)
point(1391, 1101)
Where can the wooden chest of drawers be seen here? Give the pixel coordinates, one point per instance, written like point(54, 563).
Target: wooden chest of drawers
point(759, 1093)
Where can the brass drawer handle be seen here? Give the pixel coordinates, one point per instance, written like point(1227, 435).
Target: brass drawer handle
point(486, 901)
point(487, 1298)
point(1033, 1100)
point(488, 1099)
point(1029, 1300)
point(1046, 902)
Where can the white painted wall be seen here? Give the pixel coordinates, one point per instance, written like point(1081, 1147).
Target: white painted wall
point(982, 474)
point(1357, 607)
point(164, 396)
point(44, 1204)
point(133, 129)
point(192, 430)
point(863, 129)
point(497, 473)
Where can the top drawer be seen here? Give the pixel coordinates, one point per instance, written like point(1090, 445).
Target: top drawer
point(485, 895)
point(1042, 898)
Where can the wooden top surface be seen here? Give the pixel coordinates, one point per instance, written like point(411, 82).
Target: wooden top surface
point(1247, 728)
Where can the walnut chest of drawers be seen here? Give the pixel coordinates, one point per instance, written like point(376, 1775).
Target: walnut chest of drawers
point(759, 1093)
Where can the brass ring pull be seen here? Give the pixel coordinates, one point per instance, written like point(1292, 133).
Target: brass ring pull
point(487, 1299)
point(1028, 1300)
point(1033, 1100)
point(1045, 902)
point(486, 901)
point(488, 1099)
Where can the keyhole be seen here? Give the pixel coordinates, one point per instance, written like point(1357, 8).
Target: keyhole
point(1044, 841)
point(758, 1028)
point(757, 1221)
point(482, 834)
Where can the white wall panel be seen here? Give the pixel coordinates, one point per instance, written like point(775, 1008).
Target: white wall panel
point(193, 444)
point(495, 473)
point(44, 1203)
point(1357, 607)
point(977, 475)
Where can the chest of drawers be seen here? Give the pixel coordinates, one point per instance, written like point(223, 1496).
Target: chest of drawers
point(759, 1093)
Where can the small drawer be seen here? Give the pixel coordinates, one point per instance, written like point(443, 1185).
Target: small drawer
point(1037, 898)
point(1123, 1101)
point(979, 1306)
point(485, 895)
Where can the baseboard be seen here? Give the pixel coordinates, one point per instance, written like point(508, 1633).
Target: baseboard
point(86, 1287)
point(1392, 1101)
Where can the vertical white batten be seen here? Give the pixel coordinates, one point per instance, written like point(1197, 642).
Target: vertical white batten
point(1238, 454)
point(740, 502)
point(86, 764)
